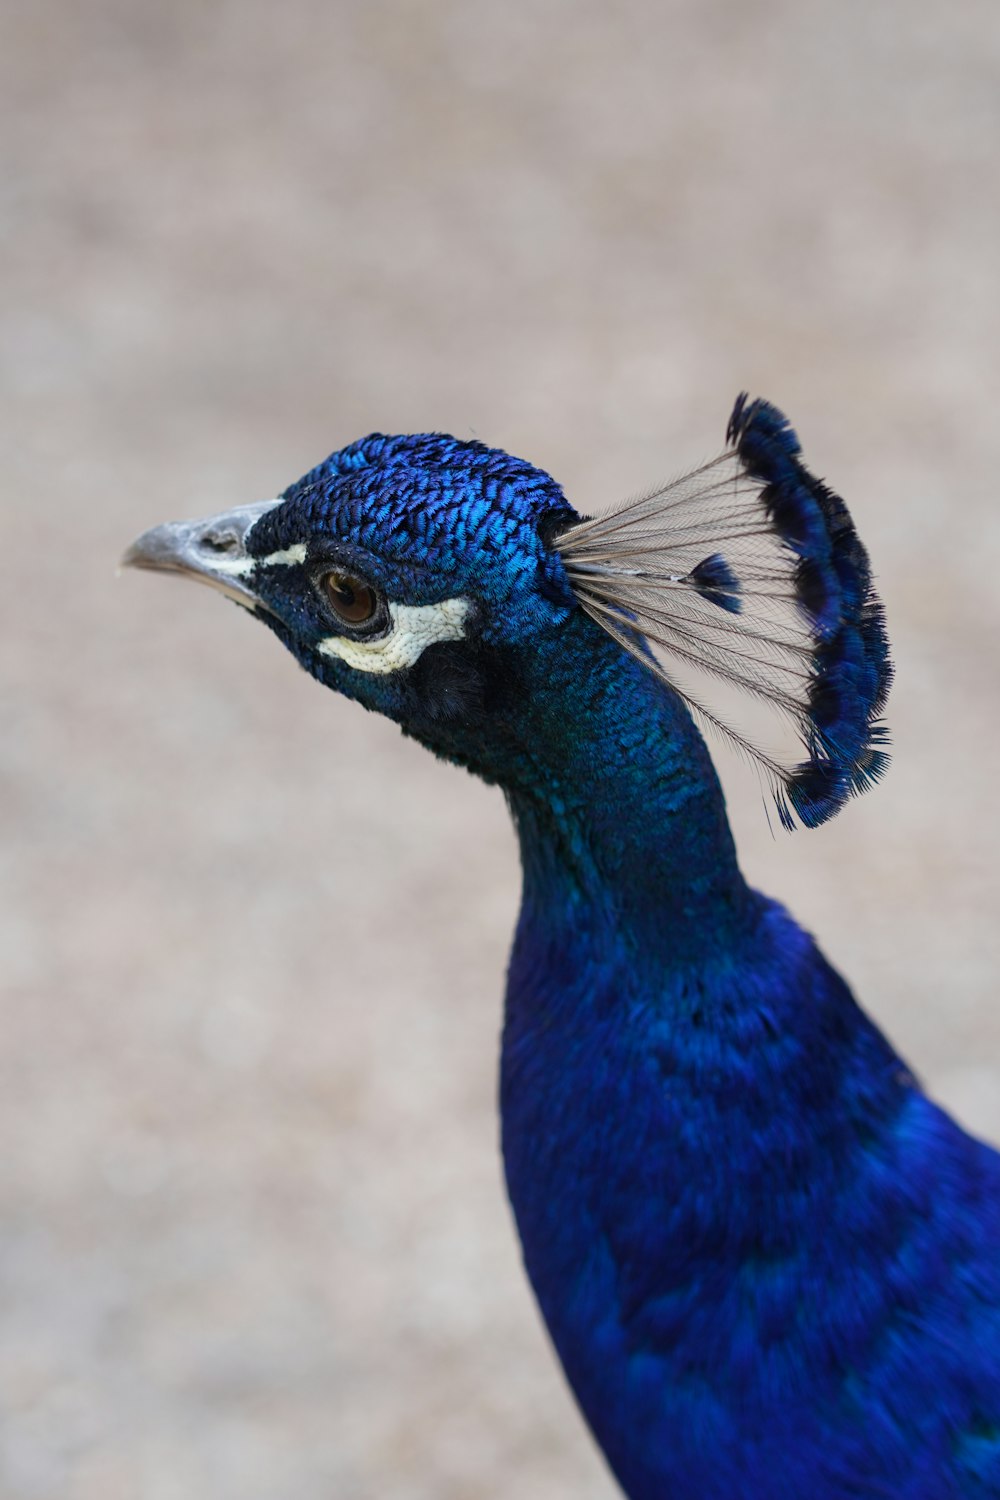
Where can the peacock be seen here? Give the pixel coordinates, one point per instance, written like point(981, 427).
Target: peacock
point(768, 1262)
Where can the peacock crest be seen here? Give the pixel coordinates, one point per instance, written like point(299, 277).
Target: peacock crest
point(748, 572)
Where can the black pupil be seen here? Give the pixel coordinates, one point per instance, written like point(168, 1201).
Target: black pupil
point(352, 598)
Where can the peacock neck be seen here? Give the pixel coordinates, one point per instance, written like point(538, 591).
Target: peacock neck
point(621, 820)
point(683, 1079)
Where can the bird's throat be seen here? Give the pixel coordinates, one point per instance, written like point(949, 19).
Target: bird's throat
point(622, 825)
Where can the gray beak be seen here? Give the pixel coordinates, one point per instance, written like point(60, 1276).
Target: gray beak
point(211, 551)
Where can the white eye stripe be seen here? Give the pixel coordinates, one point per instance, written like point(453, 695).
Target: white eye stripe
point(289, 558)
point(239, 567)
point(414, 628)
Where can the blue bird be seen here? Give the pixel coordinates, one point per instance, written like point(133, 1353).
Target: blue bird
point(770, 1265)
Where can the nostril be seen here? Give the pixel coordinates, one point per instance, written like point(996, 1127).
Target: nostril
point(220, 541)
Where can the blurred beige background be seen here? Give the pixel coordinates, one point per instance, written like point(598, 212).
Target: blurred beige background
point(253, 1240)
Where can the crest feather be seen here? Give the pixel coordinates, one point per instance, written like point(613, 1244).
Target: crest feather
point(749, 572)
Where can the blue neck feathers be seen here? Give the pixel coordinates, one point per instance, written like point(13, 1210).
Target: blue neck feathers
point(622, 825)
point(683, 1075)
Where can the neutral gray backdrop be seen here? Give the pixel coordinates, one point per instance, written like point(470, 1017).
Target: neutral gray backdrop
point(253, 1239)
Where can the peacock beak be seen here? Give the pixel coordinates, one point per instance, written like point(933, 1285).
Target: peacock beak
point(211, 551)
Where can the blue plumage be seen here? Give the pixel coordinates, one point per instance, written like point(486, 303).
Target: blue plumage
point(769, 1264)
point(852, 670)
point(714, 579)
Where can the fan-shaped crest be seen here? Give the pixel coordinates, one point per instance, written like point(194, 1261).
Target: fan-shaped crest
point(749, 572)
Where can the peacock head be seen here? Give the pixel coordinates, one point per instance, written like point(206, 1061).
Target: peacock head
point(407, 573)
point(448, 585)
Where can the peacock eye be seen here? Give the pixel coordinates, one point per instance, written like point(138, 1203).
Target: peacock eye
point(350, 597)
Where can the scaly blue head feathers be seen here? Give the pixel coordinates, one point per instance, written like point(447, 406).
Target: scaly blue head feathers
point(425, 518)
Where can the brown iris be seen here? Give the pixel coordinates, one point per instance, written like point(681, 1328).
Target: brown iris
point(349, 596)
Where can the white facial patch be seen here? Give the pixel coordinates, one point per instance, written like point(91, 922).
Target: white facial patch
point(289, 557)
point(239, 567)
point(414, 628)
